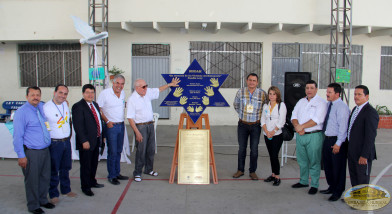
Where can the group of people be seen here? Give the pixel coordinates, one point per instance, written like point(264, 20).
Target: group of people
point(325, 130)
point(42, 135)
point(326, 133)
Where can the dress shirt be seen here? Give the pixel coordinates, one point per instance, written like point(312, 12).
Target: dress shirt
point(257, 100)
point(98, 114)
point(338, 121)
point(28, 130)
point(58, 117)
point(111, 105)
point(139, 108)
point(315, 110)
point(276, 118)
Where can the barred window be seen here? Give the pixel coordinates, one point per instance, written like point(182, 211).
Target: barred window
point(386, 68)
point(238, 59)
point(46, 65)
point(150, 50)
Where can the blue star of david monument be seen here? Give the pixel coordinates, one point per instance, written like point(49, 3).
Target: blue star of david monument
point(196, 91)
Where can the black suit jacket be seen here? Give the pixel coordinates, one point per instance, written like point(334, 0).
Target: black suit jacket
point(85, 125)
point(363, 134)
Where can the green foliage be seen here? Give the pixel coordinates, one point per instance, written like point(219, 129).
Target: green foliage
point(383, 110)
point(114, 71)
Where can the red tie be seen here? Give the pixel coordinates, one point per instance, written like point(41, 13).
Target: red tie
point(96, 119)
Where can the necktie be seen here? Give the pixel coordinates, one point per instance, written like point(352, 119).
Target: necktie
point(327, 117)
point(355, 114)
point(96, 120)
point(44, 129)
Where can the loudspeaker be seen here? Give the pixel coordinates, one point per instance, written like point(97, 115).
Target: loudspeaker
point(294, 89)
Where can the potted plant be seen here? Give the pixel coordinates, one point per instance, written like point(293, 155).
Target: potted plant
point(114, 71)
point(385, 117)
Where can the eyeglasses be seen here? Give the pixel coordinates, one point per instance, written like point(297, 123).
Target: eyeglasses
point(144, 86)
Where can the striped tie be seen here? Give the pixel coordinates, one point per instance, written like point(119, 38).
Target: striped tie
point(353, 117)
point(96, 120)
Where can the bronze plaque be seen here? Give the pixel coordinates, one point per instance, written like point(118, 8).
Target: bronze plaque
point(194, 156)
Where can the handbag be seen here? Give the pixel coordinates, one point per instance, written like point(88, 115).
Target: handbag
point(287, 129)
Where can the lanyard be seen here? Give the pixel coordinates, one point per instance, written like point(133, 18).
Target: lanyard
point(250, 96)
point(271, 109)
point(59, 109)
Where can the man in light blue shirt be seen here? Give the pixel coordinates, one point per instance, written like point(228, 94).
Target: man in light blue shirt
point(31, 142)
point(335, 145)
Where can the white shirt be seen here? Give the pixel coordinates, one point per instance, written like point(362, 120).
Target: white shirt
point(58, 117)
point(139, 108)
point(315, 110)
point(98, 114)
point(275, 118)
point(111, 105)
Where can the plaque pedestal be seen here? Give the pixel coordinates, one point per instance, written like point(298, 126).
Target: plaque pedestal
point(190, 125)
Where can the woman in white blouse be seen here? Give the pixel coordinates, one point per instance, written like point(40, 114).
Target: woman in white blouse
point(273, 119)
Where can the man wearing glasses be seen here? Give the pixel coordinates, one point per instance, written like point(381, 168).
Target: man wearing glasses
point(140, 117)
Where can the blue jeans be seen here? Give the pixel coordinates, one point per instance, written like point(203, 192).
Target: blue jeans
point(61, 163)
point(115, 141)
point(244, 132)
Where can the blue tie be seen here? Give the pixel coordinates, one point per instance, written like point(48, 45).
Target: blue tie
point(327, 117)
point(44, 129)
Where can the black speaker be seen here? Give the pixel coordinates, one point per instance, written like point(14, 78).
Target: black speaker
point(294, 89)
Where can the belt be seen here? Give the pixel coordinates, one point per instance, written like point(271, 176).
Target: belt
point(331, 136)
point(118, 123)
point(60, 140)
point(249, 123)
point(313, 132)
point(146, 123)
point(27, 148)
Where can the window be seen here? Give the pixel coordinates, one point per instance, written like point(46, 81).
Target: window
point(313, 58)
point(386, 68)
point(238, 59)
point(46, 65)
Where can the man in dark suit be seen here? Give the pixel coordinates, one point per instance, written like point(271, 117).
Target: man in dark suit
point(88, 128)
point(362, 131)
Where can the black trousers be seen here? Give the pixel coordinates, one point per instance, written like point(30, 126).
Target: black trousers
point(88, 167)
point(359, 174)
point(335, 166)
point(273, 147)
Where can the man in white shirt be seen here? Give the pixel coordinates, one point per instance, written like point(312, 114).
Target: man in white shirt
point(58, 115)
point(112, 104)
point(140, 117)
point(308, 117)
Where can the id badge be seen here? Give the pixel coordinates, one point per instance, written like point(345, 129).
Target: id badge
point(249, 108)
point(47, 126)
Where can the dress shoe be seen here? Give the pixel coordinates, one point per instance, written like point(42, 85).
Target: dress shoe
point(299, 185)
point(312, 191)
point(97, 185)
point(276, 182)
point(88, 192)
point(48, 205)
point(238, 174)
point(269, 179)
point(326, 191)
point(253, 176)
point(54, 200)
point(121, 177)
point(113, 181)
point(37, 211)
point(333, 198)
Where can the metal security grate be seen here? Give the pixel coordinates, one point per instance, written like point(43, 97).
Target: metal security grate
point(46, 65)
point(386, 68)
point(238, 59)
point(150, 50)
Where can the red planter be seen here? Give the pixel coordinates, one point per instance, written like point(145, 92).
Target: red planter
point(385, 122)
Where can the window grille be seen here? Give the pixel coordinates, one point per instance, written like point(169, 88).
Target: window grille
point(238, 59)
point(46, 65)
point(386, 68)
point(150, 50)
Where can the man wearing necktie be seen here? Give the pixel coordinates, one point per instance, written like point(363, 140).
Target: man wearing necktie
point(362, 132)
point(88, 128)
point(31, 142)
point(335, 145)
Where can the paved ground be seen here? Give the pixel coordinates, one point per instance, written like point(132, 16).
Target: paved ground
point(156, 195)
